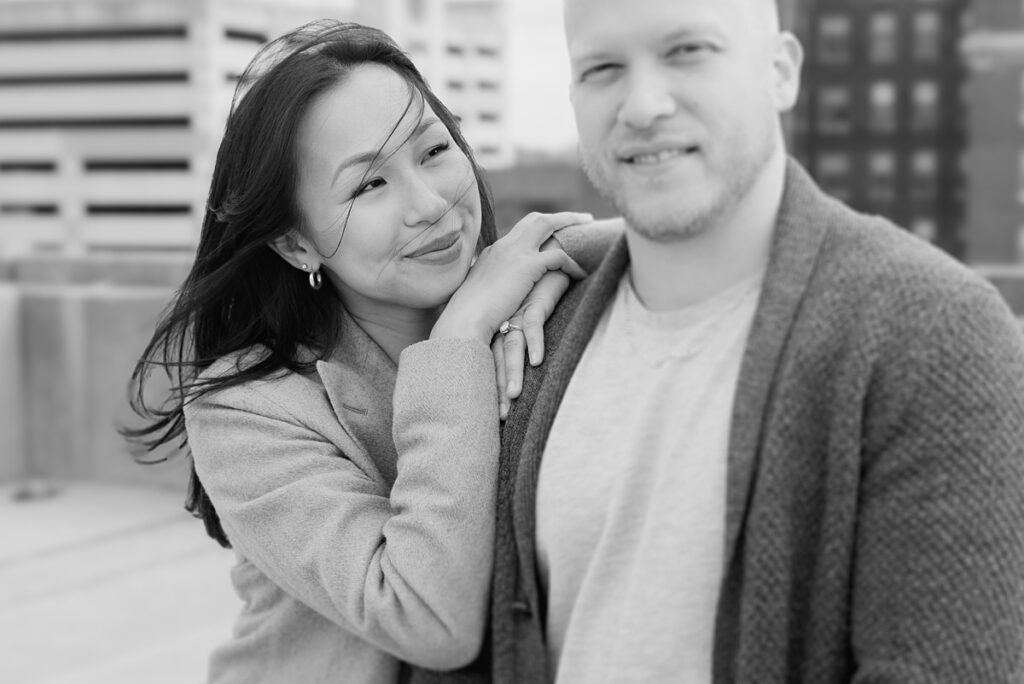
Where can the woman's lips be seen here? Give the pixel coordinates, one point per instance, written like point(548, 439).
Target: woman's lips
point(436, 245)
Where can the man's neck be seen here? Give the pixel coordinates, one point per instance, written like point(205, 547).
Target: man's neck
point(673, 275)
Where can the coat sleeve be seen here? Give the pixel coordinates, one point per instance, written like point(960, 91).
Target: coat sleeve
point(408, 570)
point(938, 593)
point(587, 243)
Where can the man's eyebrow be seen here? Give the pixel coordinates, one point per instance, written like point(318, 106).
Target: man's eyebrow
point(589, 54)
point(362, 158)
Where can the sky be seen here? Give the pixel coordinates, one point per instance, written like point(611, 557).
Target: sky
point(539, 112)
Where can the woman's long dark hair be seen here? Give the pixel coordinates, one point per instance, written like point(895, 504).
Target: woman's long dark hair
point(239, 292)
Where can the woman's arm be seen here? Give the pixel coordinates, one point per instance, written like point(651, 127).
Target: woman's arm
point(406, 569)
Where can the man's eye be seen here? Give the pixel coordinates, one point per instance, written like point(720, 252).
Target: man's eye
point(598, 71)
point(371, 184)
point(688, 49)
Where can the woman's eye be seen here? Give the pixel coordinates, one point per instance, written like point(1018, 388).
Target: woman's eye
point(437, 149)
point(371, 184)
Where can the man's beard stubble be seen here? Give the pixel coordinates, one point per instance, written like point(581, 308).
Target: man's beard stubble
point(700, 218)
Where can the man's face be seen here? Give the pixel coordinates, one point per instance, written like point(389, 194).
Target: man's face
point(677, 104)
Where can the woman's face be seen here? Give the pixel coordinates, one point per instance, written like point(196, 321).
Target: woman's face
point(387, 197)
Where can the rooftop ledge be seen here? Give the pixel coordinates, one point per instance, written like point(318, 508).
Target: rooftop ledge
point(984, 49)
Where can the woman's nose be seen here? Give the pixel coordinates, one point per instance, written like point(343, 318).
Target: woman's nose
point(426, 203)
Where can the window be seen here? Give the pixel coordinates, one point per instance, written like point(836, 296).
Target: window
point(924, 175)
point(924, 228)
point(884, 37)
point(883, 106)
point(834, 174)
point(834, 110)
point(926, 106)
point(881, 177)
point(834, 39)
point(927, 36)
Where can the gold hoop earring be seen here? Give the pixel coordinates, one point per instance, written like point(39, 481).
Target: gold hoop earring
point(316, 280)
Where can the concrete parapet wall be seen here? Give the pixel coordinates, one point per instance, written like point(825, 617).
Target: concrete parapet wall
point(13, 463)
point(1009, 280)
point(80, 328)
point(70, 333)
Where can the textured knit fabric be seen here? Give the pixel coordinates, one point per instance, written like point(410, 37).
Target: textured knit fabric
point(355, 550)
point(631, 494)
point(875, 522)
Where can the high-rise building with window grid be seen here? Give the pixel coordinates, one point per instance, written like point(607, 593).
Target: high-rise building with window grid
point(111, 110)
point(994, 48)
point(881, 121)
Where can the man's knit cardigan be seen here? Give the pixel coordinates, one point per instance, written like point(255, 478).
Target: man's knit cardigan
point(875, 504)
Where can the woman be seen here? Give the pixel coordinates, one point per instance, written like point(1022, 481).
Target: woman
point(330, 355)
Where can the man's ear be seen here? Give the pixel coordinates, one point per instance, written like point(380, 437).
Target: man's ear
point(297, 250)
point(786, 64)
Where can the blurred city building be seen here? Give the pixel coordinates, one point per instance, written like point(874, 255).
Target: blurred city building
point(111, 110)
point(882, 122)
point(545, 183)
point(994, 51)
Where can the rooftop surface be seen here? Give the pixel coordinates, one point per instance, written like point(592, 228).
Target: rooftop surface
point(108, 584)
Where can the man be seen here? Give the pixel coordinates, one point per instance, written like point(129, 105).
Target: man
point(774, 440)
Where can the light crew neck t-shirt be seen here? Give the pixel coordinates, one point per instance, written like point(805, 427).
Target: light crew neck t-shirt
point(631, 494)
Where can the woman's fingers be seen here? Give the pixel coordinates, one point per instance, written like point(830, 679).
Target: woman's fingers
point(538, 306)
point(558, 260)
point(514, 343)
point(535, 227)
point(498, 351)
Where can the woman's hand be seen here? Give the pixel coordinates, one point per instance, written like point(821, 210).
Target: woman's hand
point(525, 334)
point(504, 274)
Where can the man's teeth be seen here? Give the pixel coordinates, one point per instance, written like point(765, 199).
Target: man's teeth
point(657, 157)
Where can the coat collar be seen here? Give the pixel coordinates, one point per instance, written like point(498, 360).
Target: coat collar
point(359, 378)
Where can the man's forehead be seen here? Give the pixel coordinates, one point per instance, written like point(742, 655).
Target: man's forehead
point(587, 22)
point(765, 11)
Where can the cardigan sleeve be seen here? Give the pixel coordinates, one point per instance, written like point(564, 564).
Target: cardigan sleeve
point(587, 243)
point(938, 592)
point(408, 570)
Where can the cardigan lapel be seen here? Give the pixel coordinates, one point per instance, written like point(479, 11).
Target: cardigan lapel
point(576, 332)
point(359, 378)
point(800, 231)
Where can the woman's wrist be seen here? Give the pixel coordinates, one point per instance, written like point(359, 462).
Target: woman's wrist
point(449, 327)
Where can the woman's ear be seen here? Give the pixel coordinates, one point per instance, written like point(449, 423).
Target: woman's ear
point(297, 250)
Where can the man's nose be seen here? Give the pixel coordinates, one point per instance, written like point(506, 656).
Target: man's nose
point(648, 97)
point(425, 203)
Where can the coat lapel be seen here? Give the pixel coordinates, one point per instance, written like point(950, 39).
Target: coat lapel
point(800, 231)
point(576, 331)
point(360, 382)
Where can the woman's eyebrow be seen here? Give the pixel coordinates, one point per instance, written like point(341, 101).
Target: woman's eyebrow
point(368, 157)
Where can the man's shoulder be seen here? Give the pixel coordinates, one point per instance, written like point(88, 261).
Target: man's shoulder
point(873, 259)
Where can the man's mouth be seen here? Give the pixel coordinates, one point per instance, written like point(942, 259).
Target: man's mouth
point(657, 156)
point(438, 244)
